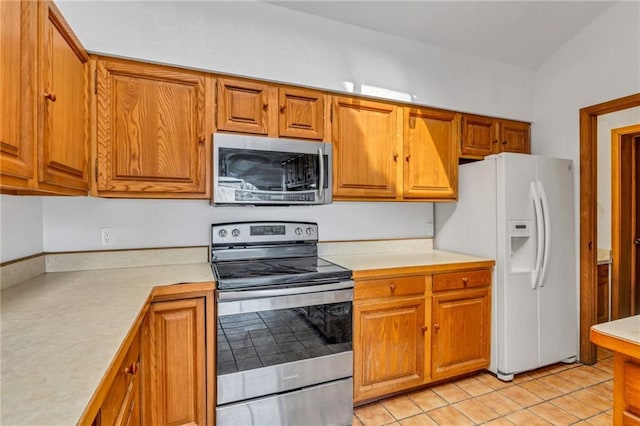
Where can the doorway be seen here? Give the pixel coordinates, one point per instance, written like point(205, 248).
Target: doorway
point(588, 216)
point(625, 221)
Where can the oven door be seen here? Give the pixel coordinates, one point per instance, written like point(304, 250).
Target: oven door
point(260, 170)
point(284, 339)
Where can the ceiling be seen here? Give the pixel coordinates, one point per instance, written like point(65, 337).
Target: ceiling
point(521, 33)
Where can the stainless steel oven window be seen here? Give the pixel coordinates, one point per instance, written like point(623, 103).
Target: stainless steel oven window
point(264, 332)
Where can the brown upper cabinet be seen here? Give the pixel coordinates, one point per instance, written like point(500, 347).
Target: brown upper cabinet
point(246, 106)
point(43, 102)
point(483, 136)
point(430, 154)
point(389, 152)
point(153, 130)
point(367, 142)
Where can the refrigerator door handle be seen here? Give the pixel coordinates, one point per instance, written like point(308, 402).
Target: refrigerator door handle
point(547, 230)
point(539, 235)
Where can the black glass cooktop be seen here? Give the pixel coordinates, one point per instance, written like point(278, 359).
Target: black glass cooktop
point(273, 272)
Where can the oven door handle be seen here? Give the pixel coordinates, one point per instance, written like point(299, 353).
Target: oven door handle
point(259, 294)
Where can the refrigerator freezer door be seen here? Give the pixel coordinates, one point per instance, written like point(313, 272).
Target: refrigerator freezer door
point(516, 300)
point(558, 288)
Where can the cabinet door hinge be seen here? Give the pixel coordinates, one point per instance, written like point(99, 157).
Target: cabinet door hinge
point(215, 110)
point(95, 82)
point(331, 114)
point(95, 170)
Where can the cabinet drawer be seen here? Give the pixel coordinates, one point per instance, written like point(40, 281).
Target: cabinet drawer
point(370, 289)
point(120, 402)
point(632, 385)
point(461, 280)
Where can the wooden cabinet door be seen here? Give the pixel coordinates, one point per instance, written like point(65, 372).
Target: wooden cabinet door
point(63, 151)
point(18, 29)
point(122, 404)
point(242, 106)
point(479, 136)
point(153, 130)
point(514, 136)
point(431, 154)
point(301, 113)
point(175, 343)
point(460, 332)
point(366, 139)
point(388, 346)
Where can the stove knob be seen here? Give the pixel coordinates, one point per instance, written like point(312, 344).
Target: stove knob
point(235, 232)
point(298, 231)
point(222, 233)
point(309, 231)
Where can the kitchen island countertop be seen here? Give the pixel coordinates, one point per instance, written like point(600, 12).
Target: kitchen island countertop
point(61, 331)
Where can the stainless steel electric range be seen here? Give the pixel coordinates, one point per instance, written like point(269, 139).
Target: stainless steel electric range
point(284, 335)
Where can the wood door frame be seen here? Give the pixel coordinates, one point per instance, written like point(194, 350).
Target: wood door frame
point(618, 137)
point(588, 216)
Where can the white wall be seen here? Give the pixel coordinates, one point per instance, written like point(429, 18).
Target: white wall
point(74, 223)
point(265, 41)
point(20, 227)
point(606, 123)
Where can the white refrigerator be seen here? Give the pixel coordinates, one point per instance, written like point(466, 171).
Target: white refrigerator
point(519, 210)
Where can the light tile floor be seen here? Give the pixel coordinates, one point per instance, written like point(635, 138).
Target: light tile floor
point(561, 394)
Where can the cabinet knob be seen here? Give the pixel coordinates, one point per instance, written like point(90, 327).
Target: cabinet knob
point(424, 328)
point(392, 287)
point(465, 281)
point(282, 108)
point(132, 369)
point(51, 96)
point(201, 140)
point(265, 106)
point(395, 157)
point(504, 142)
point(495, 141)
point(436, 327)
point(408, 157)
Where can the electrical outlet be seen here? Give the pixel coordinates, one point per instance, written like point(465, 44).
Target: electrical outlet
point(106, 236)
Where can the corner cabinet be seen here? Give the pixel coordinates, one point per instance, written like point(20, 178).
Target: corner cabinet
point(164, 372)
point(44, 102)
point(414, 329)
point(153, 130)
point(430, 154)
point(367, 142)
point(246, 106)
point(175, 341)
point(482, 136)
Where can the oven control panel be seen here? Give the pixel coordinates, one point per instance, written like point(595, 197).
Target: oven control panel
point(262, 232)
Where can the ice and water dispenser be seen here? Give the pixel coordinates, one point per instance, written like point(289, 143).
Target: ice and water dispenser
point(522, 246)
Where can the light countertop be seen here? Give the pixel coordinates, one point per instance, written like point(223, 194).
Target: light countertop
point(61, 331)
point(626, 329)
point(422, 260)
point(603, 256)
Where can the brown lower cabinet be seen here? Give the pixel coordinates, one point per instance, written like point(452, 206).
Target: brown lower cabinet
point(411, 330)
point(161, 375)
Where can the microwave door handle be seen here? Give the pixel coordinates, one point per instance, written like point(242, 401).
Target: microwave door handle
point(321, 184)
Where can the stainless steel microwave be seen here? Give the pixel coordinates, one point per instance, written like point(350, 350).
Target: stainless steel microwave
point(257, 170)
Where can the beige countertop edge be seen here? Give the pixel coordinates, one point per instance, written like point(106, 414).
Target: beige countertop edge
point(621, 336)
point(416, 262)
point(65, 329)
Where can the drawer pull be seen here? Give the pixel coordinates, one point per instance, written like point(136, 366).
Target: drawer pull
point(392, 287)
point(465, 281)
point(132, 369)
point(51, 96)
